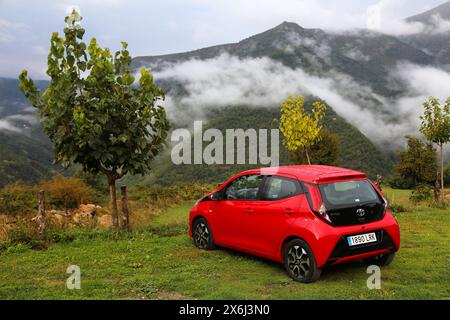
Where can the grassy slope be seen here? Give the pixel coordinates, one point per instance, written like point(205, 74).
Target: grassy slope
point(163, 264)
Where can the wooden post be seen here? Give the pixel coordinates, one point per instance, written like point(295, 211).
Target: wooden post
point(125, 211)
point(41, 212)
point(379, 182)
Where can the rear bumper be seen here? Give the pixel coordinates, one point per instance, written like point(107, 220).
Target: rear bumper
point(330, 246)
point(343, 252)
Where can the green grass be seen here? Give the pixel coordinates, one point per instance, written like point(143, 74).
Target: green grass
point(160, 262)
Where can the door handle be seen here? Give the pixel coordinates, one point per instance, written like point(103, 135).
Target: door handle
point(249, 210)
point(289, 211)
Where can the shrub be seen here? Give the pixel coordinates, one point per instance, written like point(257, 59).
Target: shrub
point(447, 175)
point(66, 193)
point(399, 182)
point(18, 198)
point(397, 208)
point(421, 193)
point(25, 232)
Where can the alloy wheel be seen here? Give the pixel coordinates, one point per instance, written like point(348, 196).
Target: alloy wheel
point(298, 261)
point(201, 235)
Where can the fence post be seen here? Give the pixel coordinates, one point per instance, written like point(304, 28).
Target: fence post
point(379, 181)
point(125, 211)
point(41, 212)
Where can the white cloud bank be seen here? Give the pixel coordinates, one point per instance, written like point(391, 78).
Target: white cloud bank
point(228, 80)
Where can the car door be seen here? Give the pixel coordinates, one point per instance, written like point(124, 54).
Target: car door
point(281, 201)
point(233, 211)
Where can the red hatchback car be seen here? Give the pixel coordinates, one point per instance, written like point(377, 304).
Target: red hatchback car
point(305, 217)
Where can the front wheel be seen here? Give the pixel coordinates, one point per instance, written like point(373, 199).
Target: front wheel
point(202, 235)
point(299, 261)
point(382, 260)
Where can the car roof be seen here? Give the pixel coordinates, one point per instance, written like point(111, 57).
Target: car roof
point(312, 173)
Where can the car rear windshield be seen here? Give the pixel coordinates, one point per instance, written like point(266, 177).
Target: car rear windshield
point(348, 193)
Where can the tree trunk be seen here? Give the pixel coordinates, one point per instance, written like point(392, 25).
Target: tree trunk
point(307, 156)
point(41, 212)
point(113, 197)
point(125, 212)
point(442, 173)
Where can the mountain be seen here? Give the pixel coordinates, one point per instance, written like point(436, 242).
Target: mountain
point(435, 37)
point(354, 69)
point(429, 17)
point(366, 56)
point(12, 101)
point(355, 150)
point(26, 154)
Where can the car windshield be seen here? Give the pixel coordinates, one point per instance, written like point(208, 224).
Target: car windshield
point(348, 193)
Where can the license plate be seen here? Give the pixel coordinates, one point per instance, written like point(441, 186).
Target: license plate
point(362, 239)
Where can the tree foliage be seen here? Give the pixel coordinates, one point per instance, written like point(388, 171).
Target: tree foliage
point(436, 127)
point(418, 162)
point(93, 112)
point(323, 152)
point(301, 129)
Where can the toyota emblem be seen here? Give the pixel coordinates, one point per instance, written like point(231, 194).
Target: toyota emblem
point(360, 212)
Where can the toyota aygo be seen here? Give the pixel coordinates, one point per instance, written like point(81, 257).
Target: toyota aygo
point(305, 217)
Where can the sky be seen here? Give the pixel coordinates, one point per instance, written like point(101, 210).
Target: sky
point(166, 26)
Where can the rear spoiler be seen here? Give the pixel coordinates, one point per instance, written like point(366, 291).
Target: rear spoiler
point(339, 178)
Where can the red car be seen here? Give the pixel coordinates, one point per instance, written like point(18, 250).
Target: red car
point(305, 217)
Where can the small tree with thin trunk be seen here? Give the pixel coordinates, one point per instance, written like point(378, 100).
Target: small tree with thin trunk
point(436, 128)
point(301, 130)
point(94, 113)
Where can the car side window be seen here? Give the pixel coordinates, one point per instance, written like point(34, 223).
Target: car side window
point(244, 188)
point(281, 188)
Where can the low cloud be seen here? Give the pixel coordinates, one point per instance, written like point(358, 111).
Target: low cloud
point(382, 17)
point(19, 122)
point(5, 125)
point(228, 80)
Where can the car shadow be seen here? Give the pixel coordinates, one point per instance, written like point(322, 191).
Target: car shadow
point(329, 272)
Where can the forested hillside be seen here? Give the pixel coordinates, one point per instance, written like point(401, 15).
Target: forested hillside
point(356, 151)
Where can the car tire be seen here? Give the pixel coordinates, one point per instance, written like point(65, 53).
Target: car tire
point(202, 234)
point(382, 260)
point(299, 261)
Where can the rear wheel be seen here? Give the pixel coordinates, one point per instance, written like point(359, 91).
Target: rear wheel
point(202, 235)
point(299, 261)
point(381, 260)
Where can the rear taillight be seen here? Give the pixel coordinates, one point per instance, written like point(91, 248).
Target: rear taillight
point(385, 204)
point(316, 203)
point(323, 213)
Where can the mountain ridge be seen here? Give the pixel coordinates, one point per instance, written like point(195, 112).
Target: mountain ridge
point(365, 56)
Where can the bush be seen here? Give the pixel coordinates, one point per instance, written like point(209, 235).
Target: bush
point(66, 193)
point(397, 208)
point(24, 232)
point(399, 182)
point(447, 175)
point(97, 182)
point(18, 198)
point(421, 193)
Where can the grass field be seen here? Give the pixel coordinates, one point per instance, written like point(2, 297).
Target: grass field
point(160, 262)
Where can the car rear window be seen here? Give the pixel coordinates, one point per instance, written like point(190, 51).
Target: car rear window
point(348, 193)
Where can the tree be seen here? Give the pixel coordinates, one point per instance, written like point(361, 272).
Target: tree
point(436, 128)
point(94, 113)
point(418, 162)
point(300, 129)
point(323, 152)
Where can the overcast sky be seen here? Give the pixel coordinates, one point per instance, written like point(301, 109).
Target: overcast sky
point(166, 26)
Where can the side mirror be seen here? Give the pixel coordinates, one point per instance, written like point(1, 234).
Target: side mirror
point(215, 196)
